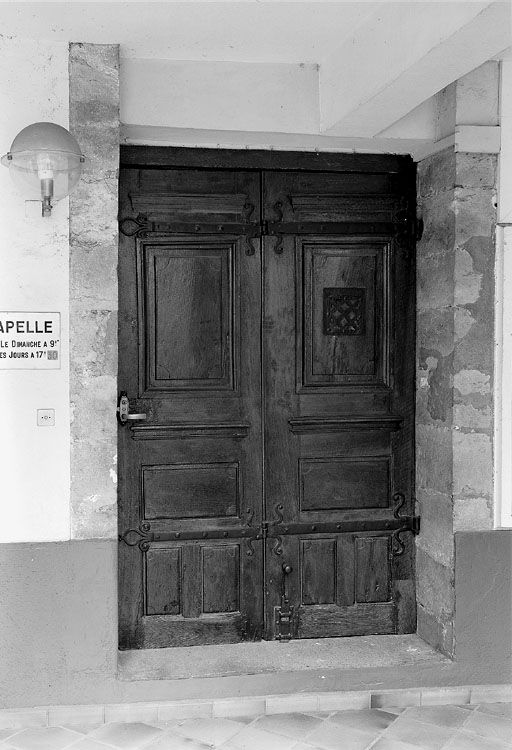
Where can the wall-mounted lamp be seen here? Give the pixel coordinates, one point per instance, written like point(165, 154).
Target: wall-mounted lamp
point(45, 163)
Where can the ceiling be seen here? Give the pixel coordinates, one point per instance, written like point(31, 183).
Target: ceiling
point(247, 31)
point(333, 69)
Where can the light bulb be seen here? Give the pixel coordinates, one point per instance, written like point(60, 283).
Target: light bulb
point(44, 167)
point(45, 174)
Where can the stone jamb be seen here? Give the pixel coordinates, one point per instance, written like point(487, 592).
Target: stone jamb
point(94, 121)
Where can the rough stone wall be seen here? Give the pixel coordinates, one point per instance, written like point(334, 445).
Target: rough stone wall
point(94, 120)
point(455, 334)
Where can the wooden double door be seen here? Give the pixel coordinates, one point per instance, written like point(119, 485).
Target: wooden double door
point(267, 334)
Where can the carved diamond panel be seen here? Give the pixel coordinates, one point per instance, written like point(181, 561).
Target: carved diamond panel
point(344, 311)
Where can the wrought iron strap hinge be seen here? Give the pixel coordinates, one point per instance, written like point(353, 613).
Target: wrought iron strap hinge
point(277, 528)
point(141, 226)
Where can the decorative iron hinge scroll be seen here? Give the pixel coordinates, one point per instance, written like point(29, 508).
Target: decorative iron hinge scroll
point(407, 523)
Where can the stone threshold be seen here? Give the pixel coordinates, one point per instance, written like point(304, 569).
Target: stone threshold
point(44, 716)
point(275, 657)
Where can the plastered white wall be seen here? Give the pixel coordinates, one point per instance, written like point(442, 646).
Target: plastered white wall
point(220, 95)
point(34, 276)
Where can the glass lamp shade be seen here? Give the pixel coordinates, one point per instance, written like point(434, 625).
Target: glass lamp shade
point(45, 162)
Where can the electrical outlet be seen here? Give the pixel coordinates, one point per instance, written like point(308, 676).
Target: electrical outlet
point(46, 417)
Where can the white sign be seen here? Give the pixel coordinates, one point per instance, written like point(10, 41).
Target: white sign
point(29, 341)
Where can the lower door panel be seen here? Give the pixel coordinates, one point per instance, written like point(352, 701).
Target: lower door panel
point(201, 593)
point(338, 585)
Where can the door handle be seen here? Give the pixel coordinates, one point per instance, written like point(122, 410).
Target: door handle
point(123, 410)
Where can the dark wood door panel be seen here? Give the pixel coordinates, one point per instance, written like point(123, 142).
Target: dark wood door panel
point(343, 329)
point(191, 491)
point(201, 592)
point(339, 584)
point(189, 292)
point(184, 483)
point(190, 309)
point(337, 410)
point(341, 483)
point(332, 622)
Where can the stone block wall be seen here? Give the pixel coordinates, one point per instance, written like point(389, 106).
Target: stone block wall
point(94, 121)
point(455, 350)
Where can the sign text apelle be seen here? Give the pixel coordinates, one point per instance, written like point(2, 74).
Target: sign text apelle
point(30, 340)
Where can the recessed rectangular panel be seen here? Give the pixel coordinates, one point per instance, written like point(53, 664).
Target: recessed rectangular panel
point(344, 317)
point(337, 483)
point(163, 581)
point(221, 578)
point(372, 569)
point(318, 562)
point(191, 491)
point(189, 308)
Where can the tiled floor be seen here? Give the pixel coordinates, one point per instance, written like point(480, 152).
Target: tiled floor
point(487, 726)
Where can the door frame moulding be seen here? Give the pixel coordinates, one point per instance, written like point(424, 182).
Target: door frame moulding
point(208, 158)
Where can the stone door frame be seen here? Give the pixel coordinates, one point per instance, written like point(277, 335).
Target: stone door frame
point(455, 334)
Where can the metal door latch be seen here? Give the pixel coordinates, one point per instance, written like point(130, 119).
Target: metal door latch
point(283, 615)
point(123, 410)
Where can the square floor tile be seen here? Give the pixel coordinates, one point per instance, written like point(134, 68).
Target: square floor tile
point(87, 744)
point(60, 716)
point(130, 736)
point(384, 744)
point(413, 732)
point(83, 728)
point(333, 737)
point(171, 711)
point(466, 741)
point(491, 694)
point(277, 704)
point(440, 716)
point(252, 738)
point(290, 725)
point(211, 731)
point(44, 738)
point(173, 741)
point(396, 698)
point(23, 718)
point(240, 707)
point(343, 701)
point(500, 709)
point(492, 727)
point(5, 733)
point(145, 713)
point(367, 720)
point(319, 714)
point(445, 696)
